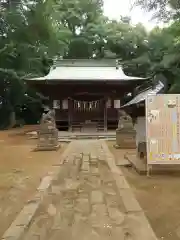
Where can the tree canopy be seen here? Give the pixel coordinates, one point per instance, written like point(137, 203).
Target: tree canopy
point(164, 9)
point(33, 33)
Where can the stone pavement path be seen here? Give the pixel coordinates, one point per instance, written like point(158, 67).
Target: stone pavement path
point(89, 199)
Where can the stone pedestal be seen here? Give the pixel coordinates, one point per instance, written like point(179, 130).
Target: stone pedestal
point(47, 135)
point(140, 128)
point(142, 151)
point(125, 134)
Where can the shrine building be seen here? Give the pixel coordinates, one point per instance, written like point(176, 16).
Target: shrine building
point(86, 92)
point(136, 108)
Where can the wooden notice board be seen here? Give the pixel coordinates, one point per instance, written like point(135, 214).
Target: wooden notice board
point(162, 129)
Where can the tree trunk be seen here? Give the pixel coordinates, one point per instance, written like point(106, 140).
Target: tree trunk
point(12, 119)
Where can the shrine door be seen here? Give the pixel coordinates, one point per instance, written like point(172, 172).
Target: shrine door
point(88, 110)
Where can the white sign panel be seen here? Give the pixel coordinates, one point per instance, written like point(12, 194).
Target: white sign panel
point(163, 129)
point(117, 104)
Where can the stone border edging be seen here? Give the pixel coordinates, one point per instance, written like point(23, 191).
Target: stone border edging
point(24, 218)
point(132, 206)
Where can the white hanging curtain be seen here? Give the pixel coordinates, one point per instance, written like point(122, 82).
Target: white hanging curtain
point(108, 103)
point(84, 105)
point(95, 104)
point(56, 104)
point(65, 104)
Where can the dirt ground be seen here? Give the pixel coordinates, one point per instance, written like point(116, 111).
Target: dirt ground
point(84, 203)
point(21, 171)
point(159, 196)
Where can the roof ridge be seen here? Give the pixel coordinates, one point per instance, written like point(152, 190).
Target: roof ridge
point(86, 62)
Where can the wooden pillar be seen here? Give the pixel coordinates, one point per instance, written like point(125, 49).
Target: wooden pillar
point(70, 115)
point(51, 100)
point(112, 102)
point(105, 115)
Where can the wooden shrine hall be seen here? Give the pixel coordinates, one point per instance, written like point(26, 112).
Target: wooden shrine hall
point(86, 94)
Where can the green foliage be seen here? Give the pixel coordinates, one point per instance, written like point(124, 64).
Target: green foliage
point(30, 38)
point(32, 33)
point(164, 9)
point(86, 23)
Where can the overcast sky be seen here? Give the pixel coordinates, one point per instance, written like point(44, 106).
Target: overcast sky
point(116, 8)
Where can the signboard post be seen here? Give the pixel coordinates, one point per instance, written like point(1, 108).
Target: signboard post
point(162, 129)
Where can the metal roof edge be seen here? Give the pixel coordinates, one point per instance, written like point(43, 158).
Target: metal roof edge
point(142, 96)
point(83, 80)
point(56, 70)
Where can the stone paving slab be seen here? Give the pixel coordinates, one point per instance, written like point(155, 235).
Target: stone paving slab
point(140, 227)
point(13, 233)
point(89, 198)
point(96, 197)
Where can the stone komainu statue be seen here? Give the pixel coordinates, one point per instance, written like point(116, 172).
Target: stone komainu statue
point(48, 133)
point(48, 119)
point(125, 122)
point(125, 133)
